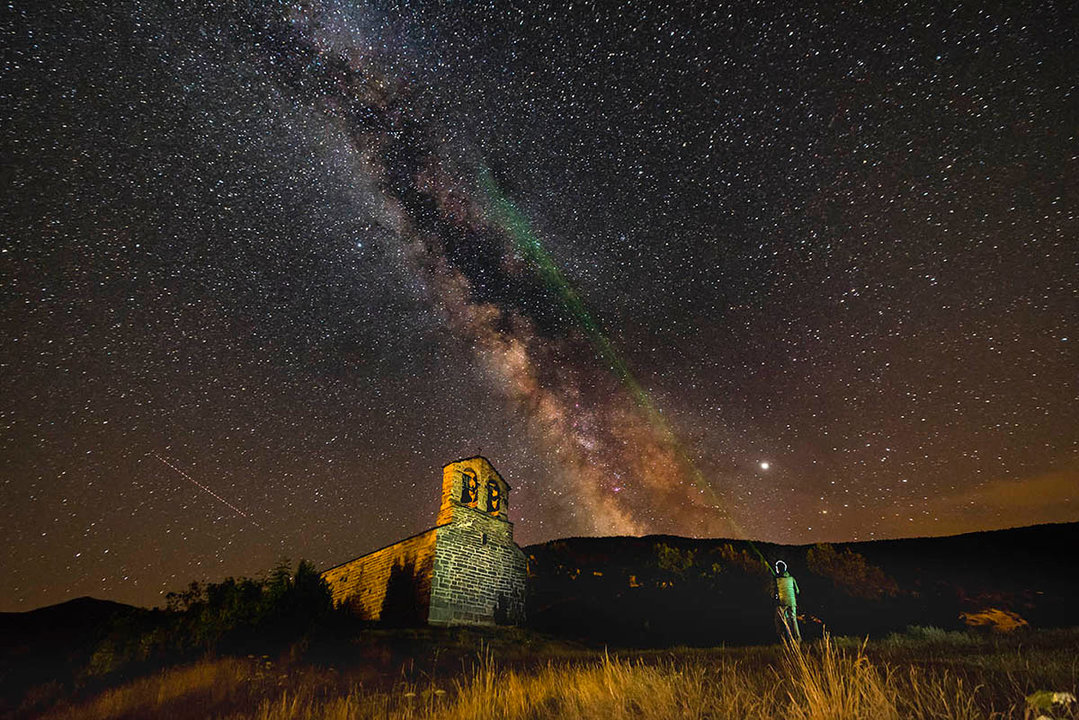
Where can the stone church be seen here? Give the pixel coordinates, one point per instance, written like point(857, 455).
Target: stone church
point(465, 570)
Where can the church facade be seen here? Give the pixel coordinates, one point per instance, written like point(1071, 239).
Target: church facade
point(465, 570)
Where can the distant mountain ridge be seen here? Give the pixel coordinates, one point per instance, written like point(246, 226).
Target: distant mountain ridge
point(663, 589)
point(856, 586)
point(80, 608)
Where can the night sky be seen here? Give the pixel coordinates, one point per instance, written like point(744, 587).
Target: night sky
point(796, 274)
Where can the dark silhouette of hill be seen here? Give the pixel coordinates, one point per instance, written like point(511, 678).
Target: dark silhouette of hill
point(71, 618)
point(665, 590)
point(49, 644)
point(85, 644)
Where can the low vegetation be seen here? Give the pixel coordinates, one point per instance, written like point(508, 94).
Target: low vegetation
point(233, 616)
point(924, 673)
point(274, 647)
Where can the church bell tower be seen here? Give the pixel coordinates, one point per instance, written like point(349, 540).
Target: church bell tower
point(471, 488)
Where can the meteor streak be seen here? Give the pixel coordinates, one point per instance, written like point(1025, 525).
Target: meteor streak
point(202, 487)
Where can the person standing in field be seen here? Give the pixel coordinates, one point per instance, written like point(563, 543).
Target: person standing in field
point(786, 604)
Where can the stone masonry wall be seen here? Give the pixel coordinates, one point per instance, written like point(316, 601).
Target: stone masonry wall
point(392, 584)
point(479, 572)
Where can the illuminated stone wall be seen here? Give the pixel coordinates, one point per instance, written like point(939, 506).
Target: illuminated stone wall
point(479, 572)
point(466, 570)
point(392, 584)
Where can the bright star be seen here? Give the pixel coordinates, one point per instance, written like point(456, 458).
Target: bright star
point(765, 465)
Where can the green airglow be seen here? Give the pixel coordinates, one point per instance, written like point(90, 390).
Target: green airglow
point(513, 222)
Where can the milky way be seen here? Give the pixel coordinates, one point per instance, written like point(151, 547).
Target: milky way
point(795, 276)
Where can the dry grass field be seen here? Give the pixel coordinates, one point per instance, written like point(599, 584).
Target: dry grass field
point(925, 673)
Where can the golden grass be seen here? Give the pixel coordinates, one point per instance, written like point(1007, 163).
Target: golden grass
point(827, 680)
point(202, 685)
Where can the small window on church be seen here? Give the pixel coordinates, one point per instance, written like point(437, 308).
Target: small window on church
point(483, 540)
point(494, 497)
point(469, 487)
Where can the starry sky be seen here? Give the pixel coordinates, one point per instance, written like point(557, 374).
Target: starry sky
point(744, 269)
